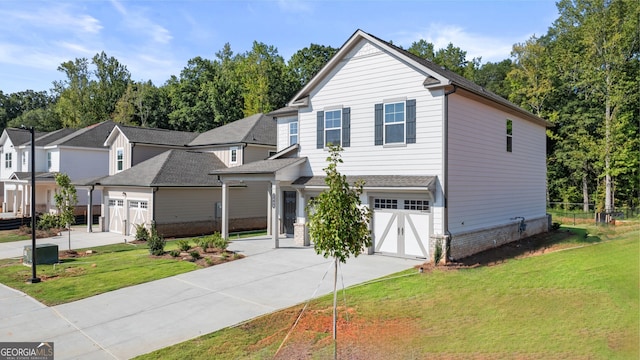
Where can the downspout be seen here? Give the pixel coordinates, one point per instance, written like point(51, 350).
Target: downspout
point(445, 164)
point(153, 207)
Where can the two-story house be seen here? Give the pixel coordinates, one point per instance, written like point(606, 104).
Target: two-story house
point(77, 153)
point(162, 177)
point(443, 159)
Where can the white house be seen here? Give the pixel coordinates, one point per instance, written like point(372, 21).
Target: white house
point(443, 158)
point(77, 153)
point(162, 176)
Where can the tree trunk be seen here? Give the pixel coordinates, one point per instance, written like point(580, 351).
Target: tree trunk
point(608, 200)
point(585, 193)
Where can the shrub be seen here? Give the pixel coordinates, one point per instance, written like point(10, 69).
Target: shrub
point(218, 242)
point(437, 253)
point(48, 222)
point(555, 226)
point(195, 255)
point(183, 244)
point(174, 253)
point(156, 242)
point(208, 261)
point(142, 234)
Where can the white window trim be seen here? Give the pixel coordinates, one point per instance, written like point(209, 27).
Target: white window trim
point(296, 133)
point(8, 160)
point(339, 128)
point(233, 151)
point(49, 161)
point(404, 123)
point(119, 151)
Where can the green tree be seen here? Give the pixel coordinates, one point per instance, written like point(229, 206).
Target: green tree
point(40, 119)
point(111, 81)
point(66, 200)
point(225, 91)
point(74, 95)
point(338, 224)
point(493, 76)
point(605, 57)
point(423, 49)
point(307, 62)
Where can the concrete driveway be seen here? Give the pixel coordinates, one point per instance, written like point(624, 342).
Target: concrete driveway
point(136, 320)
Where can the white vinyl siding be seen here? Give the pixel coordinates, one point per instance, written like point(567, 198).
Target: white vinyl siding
point(284, 131)
point(488, 186)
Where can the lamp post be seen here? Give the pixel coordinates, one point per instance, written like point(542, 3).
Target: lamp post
point(33, 279)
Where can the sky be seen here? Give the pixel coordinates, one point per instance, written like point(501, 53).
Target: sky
point(154, 39)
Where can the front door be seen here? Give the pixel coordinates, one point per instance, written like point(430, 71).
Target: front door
point(289, 211)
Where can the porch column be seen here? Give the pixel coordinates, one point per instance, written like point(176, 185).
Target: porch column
point(90, 210)
point(15, 199)
point(269, 211)
point(26, 200)
point(275, 229)
point(225, 211)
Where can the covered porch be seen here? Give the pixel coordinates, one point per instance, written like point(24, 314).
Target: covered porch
point(17, 194)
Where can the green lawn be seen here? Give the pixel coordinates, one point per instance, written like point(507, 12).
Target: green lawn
point(580, 303)
point(112, 267)
point(12, 235)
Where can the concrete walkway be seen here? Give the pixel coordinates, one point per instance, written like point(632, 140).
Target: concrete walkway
point(136, 320)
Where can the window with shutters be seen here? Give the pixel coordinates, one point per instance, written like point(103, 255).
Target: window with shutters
point(394, 123)
point(332, 127)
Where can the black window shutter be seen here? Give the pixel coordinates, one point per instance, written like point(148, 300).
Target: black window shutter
point(346, 127)
point(411, 121)
point(320, 130)
point(379, 124)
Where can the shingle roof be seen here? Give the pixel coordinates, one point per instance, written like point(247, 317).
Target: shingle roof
point(50, 137)
point(375, 181)
point(92, 136)
point(21, 136)
point(255, 129)
point(21, 175)
point(260, 167)
point(182, 168)
point(156, 136)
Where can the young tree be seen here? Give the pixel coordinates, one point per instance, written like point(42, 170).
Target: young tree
point(66, 200)
point(338, 224)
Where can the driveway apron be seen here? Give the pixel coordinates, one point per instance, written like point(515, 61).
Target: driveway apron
point(136, 320)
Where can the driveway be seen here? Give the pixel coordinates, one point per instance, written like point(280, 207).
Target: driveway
point(136, 320)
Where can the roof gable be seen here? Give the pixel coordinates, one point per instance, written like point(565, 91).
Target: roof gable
point(255, 129)
point(436, 75)
point(152, 136)
point(92, 136)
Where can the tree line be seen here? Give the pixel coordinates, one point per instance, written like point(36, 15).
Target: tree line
point(582, 75)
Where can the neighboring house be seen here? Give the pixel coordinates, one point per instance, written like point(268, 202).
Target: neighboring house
point(443, 158)
point(77, 153)
point(162, 176)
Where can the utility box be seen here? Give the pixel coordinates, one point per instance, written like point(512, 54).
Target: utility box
point(45, 254)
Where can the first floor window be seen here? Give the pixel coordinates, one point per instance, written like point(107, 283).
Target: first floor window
point(332, 127)
point(394, 123)
point(119, 159)
point(385, 204)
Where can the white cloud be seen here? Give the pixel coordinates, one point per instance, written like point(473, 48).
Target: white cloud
point(476, 45)
point(137, 20)
point(55, 18)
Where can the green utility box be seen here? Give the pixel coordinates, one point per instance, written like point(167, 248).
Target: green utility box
point(45, 254)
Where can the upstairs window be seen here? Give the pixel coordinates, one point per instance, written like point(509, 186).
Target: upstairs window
point(7, 160)
point(293, 133)
point(234, 155)
point(332, 127)
point(119, 159)
point(509, 136)
point(394, 123)
point(24, 158)
point(48, 161)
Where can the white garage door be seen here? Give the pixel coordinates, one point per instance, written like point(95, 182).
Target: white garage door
point(138, 214)
point(401, 227)
point(116, 215)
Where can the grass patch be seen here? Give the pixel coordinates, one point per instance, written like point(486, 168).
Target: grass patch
point(12, 235)
point(111, 267)
point(580, 303)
